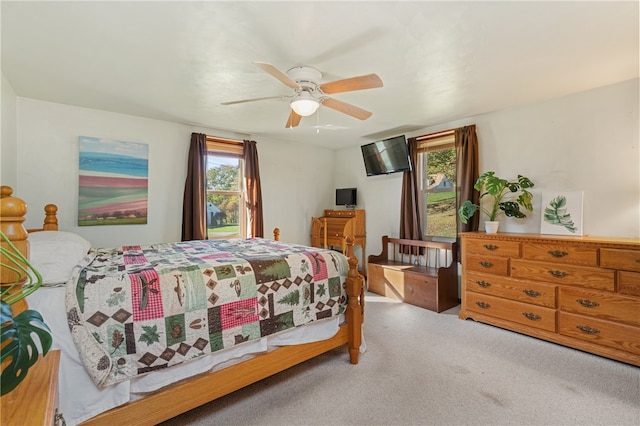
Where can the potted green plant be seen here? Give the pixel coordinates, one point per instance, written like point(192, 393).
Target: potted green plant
point(506, 198)
point(20, 351)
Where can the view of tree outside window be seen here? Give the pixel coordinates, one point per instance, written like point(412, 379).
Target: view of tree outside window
point(224, 196)
point(438, 191)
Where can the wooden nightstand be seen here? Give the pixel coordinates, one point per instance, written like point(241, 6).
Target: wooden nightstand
point(35, 400)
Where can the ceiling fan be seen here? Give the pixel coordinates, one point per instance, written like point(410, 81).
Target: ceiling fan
point(309, 93)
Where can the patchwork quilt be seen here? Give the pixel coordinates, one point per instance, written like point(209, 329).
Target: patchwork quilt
point(135, 309)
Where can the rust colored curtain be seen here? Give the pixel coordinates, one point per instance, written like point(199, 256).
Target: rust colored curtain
point(255, 225)
point(194, 207)
point(410, 226)
point(467, 173)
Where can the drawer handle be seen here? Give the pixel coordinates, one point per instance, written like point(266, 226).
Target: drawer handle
point(531, 316)
point(532, 293)
point(587, 330)
point(483, 284)
point(490, 247)
point(486, 264)
point(483, 305)
point(558, 274)
point(58, 419)
point(557, 253)
point(588, 303)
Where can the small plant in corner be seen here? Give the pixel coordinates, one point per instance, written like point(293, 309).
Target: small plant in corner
point(23, 334)
point(507, 197)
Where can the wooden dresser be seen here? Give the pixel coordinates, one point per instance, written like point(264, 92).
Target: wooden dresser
point(35, 400)
point(581, 292)
point(331, 229)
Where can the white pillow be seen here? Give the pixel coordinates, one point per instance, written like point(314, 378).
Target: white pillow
point(54, 254)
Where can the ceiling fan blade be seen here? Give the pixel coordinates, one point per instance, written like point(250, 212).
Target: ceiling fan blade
point(293, 121)
point(275, 72)
point(346, 108)
point(254, 99)
point(369, 81)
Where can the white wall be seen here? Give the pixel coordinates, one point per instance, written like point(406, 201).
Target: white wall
point(586, 141)
point(8, 135)
point(582, 142)
point(48, 172)
point(297, 185)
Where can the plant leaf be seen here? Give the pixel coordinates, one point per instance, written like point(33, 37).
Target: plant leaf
point(512, 209)
point(526, 200)
point(495, 185)
point(467, 210)
point(524, 182)
point(21, 351)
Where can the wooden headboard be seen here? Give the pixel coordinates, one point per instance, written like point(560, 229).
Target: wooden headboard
point(12, 212)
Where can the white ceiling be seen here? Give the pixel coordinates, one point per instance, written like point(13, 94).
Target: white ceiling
point(439, 61)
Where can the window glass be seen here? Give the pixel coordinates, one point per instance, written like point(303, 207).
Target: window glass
point(437, 174)
point(225, 196)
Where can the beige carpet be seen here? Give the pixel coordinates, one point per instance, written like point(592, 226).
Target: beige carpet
point(423, 368)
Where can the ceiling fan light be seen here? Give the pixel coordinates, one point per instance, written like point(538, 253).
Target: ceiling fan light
point(304, 104)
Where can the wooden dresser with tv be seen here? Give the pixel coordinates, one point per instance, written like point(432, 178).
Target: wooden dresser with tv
point(581, 292)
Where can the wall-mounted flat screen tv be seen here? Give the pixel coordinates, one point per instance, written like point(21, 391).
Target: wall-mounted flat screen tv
point(386, 156)
point(346, 197)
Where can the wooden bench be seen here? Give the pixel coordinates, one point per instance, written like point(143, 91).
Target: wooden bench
point(421, 273)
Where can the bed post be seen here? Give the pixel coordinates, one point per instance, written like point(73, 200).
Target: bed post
point(50, 218)
point(12, 211)
point(355, 304)
point(276, 234)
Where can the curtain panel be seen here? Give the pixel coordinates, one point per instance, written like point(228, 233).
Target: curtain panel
point(467, 173)
point(255, 225)
point(194, 219)
point(410, 226)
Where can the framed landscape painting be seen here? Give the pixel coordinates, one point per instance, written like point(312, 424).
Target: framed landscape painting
point(113, 182)
point(561, 213)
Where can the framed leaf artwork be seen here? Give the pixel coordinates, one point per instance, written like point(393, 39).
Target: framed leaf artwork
point(561, 213)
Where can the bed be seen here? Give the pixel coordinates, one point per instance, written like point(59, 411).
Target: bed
point(243, 355)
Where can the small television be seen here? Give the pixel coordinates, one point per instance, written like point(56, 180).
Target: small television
point(386, 156)
point(346, 197)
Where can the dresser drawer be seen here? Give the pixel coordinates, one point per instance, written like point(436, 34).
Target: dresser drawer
point(602, 279)
point(488, 264)
point(605, 306)
point(628, 260)
point(521, 313)
point(522, 291)
point(340, 213)
point(574, 255)
point(629, 283)
point(605, 333)
point(493, 247)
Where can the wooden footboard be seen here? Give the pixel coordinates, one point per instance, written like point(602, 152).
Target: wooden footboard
point(199, 390)
point(181, 397)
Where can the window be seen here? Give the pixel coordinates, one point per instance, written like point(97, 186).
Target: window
point(437, 184)
point(225, 189)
